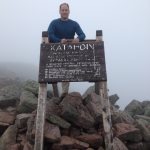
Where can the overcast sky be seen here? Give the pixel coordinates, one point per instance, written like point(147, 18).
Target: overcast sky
point(126, 33)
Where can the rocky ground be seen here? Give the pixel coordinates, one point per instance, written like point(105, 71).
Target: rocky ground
point(74, 123)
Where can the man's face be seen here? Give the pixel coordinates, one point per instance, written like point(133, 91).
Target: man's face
point(64, 12)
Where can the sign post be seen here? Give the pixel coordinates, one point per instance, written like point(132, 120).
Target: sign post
point(72, 62)
point(101, 89)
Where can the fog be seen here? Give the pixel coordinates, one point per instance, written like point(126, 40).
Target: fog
point(126, 33)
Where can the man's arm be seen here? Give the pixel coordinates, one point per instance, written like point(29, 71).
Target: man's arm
point(51, 34)
point(80, 33)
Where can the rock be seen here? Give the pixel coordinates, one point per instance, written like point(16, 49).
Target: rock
point(75, 112)
point(121, 117)
point(90, 90)
point(31, 86)
point(145, 131)
point(74, 132)
point(113, 99)
point(118, 145)
point(145, 103)
point(7, 117)
point(135, 146)
point(147, 111)
point(28, 146)
point(146, 118)
point(8, 138)
point(28, 102)
point(52, 107)
point(16, 147)
point(58, 121)
point(134, 108)
point(146, 145)
point(69, 143)
point(3, 127)
point(9, 96)
point(21, 120)
point(90, 149)
point(94, 105)
point(100, 148)
point(127, 132)
point(51, 133)
point(30, 127)
point(94, 140)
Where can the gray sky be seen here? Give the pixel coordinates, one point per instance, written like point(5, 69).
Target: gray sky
point(126, 33)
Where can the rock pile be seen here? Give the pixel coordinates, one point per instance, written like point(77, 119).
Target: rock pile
point(74, 123)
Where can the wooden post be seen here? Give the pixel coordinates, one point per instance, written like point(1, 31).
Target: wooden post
point(54, 85)
point(40, 118)
point(101, 89)
point(55, 89)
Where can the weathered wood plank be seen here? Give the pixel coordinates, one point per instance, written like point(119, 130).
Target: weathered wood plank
point(40, 118)
point(101, 89)
point(106, 116)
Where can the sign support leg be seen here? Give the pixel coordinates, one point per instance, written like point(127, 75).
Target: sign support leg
point(40, 118)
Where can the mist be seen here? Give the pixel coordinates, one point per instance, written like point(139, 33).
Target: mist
point(126, 36)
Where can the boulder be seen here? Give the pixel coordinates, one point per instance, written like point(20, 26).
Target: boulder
point(127, 132)
point(28, 102)
point(31, 86)
point(121, 117)
point(113, 99)
point(9, 96)
point(54, 119)
point(75, 112)
point(69, 143)
point(21, 120)
point(94, 140)
point(134, 108)
point(144, 130)
point(147, 111)
point(94, 105)
point(118, 144)
point(8, 138)
point(90, 90)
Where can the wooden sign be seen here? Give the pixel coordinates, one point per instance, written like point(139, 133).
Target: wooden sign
point(73, 62)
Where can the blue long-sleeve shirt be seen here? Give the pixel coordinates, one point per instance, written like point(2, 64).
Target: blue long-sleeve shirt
point(59, 29)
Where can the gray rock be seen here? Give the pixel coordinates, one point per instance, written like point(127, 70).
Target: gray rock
point(90, 90)
point(75, 112)
point(28, 102)
point(113, 99)
point(51, 133)
point(8, 138)
point(9, 96)
point(144, 118)
point(121, 117)
point(134, 108)
point(94, 105)
point(147, 111)
point(21, 120)
point(135, 146)
point(31, 86)
point(58, 121)
point(145, 132)
point(69, 143)
point(128, 132)
point(145, 103)
point(118, 145)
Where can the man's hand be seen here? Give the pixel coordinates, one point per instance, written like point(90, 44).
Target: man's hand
point(63, 41)
point(75, 40)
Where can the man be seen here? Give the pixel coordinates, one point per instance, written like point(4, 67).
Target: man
point(62, 30)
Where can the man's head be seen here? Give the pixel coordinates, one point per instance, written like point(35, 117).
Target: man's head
point(64, 11)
